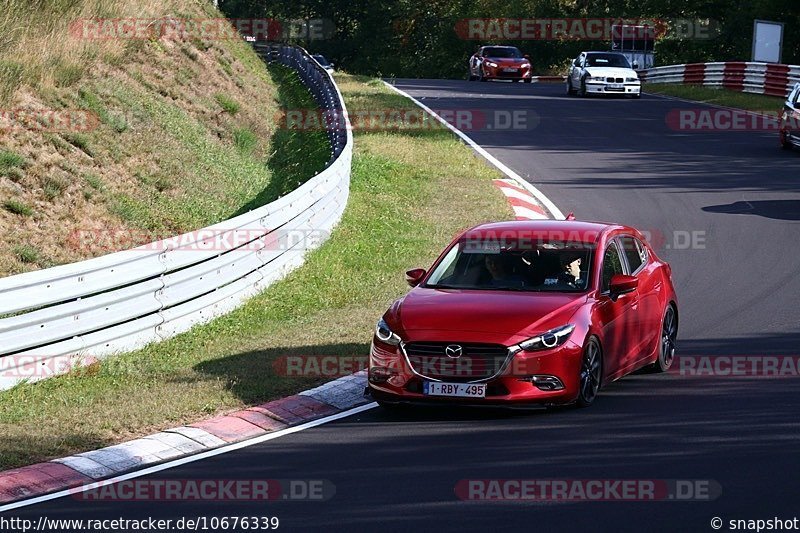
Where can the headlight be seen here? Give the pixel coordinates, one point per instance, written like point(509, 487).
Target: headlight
point(385, 334)
point(631, 80)
point(493, 65)
point(550, 339)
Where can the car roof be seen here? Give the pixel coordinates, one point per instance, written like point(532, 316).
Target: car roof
point(572, 230)
point(498, 46)
point(603, 52)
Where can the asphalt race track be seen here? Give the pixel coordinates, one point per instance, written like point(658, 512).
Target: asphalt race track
point(736, 196)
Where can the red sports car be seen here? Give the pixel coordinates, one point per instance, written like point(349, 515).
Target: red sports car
point(499, 62)
point(527, 312)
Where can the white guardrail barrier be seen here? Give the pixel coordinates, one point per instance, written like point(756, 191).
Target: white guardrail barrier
point(71, 315)
point(759, 78)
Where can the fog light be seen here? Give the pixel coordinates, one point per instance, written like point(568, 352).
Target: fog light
point(544, 382)
point(380, 374)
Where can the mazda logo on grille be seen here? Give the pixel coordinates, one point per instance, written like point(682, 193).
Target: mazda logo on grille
point(454, 351)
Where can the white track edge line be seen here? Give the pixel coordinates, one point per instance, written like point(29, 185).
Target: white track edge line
point(540, 196)
point(189, 459)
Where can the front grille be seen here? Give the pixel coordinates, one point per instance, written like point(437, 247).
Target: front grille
point(615, 80)
point(477, 361)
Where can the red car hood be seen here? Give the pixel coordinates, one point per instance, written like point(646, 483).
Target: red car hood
point(505, 313)
point(507, 61)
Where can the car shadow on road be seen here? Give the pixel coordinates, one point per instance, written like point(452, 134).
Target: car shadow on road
point(775, 209)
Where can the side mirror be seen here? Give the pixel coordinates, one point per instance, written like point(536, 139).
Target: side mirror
point(635, 65)
point(414, 277)
point(622, 284)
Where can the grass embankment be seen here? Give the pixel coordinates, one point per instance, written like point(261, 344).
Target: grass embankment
point(411, 192)
point(718, 96)
point(179, 130)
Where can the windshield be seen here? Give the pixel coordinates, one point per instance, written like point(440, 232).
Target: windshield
point(547, 267)
point(502, 52)
point(607, 60)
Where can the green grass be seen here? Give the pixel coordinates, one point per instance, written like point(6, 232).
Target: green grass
point(297, 154)
point(9, 162)
point(92, 102)
point(18, 208)
point(245, 140)
point(94, 181)
point(226, 103)
point(27, 253)
point(718, 96)
point(54, 186)
point(79, 141)
point(393, 222)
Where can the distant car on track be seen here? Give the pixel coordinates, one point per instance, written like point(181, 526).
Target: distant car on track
point(324, 63)
point(602, 73)
point(526, 312)
point(499, 63)
point(790, 120)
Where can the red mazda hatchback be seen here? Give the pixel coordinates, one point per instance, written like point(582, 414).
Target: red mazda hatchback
point(527, 312)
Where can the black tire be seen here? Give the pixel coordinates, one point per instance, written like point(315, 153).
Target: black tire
point(591, 373)
point(527, 80)
point(785, 144)
point(637, 96)
point(666, 343)
point(582, 89)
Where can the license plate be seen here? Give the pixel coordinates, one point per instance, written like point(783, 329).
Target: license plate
point(456, 390)
point(616, 86)
point(509, 69)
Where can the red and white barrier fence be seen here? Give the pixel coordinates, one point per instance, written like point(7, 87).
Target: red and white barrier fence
point(759, 78)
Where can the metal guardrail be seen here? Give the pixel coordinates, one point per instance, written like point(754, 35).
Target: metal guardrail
point(758, 78)
point(72, 314)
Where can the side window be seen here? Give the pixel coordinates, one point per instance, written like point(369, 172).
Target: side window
point(796, 100)
point(634, 252)
point(612, 264)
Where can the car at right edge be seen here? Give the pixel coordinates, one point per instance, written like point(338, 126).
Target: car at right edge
point(602, 73)
point(790, 120)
